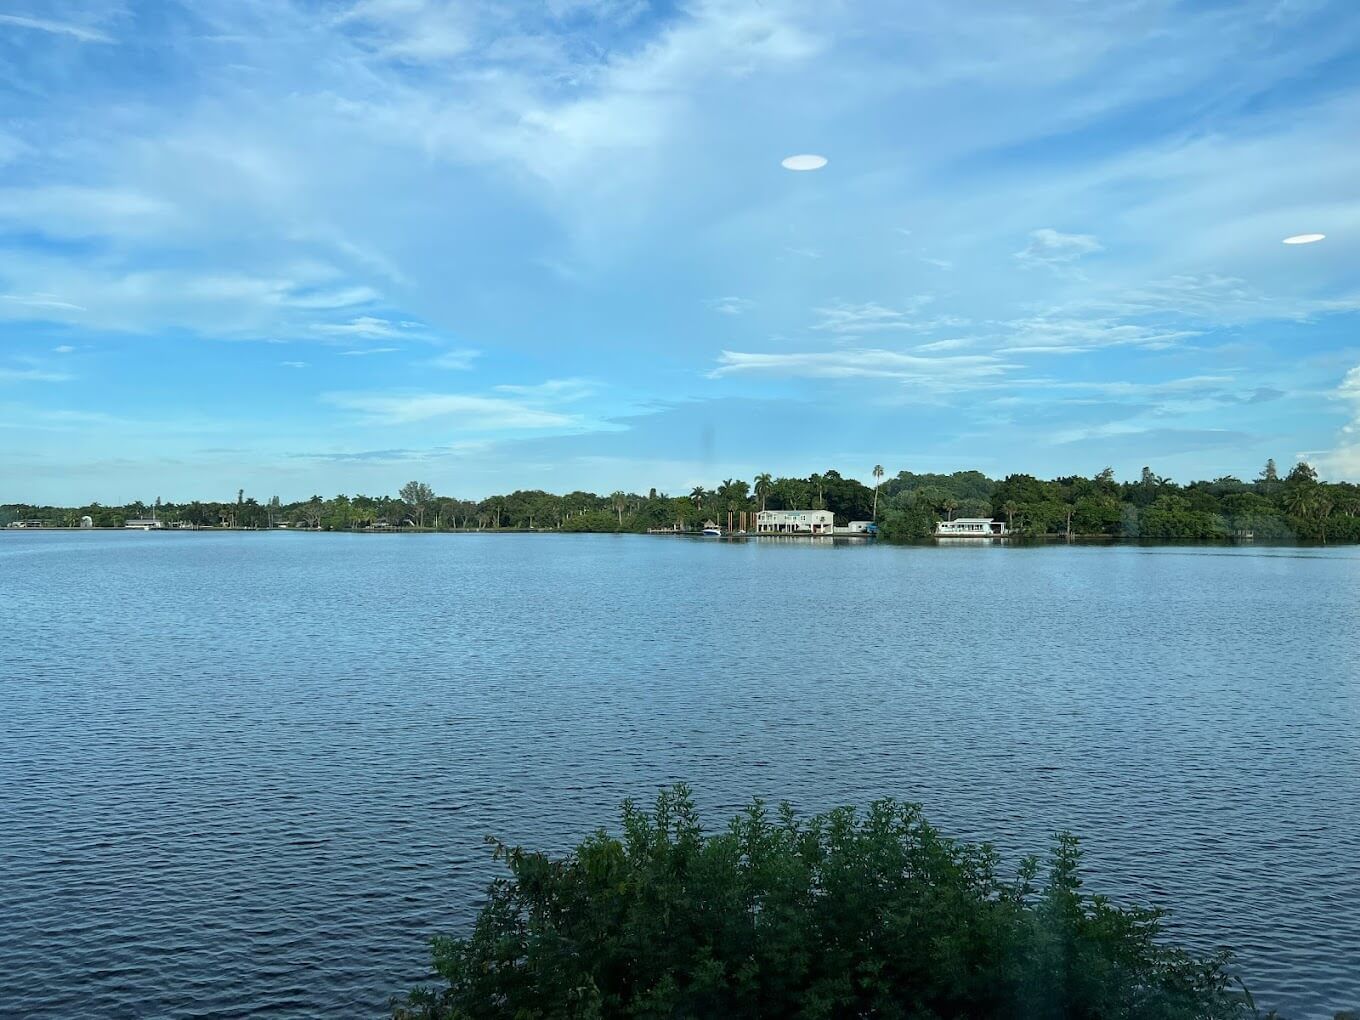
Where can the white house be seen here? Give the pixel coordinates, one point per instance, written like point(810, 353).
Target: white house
point(144, 524)
point(970, 527)
point(794, 522)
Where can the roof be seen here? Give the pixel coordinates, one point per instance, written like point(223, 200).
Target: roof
point(971, 520)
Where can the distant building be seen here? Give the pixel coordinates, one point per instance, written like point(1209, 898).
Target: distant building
point(87, 521)
point(970, 527)
point(794, 522)
point(144, 524)
point(28, 524)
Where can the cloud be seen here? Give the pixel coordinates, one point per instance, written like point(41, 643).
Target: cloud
point(361, 352)
point(1045, 335)
point(365, 327)
point(1050, 247)
point(78, 32)
point(946, 372)
point(868, 318)
point(81, 211)
point(14, 375)
point(293, 364)
point(730, 305)
point(63, 349)
point(1343, 460)
point(460, 360)
point(478, 413)
point(41, 301)
point(559, 390)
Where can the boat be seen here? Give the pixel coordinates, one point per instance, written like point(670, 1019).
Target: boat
point(712, 530)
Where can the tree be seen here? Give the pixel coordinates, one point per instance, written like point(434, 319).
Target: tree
point(878, 478)
point(620, 501)
point(847, 914)
point(763, 483)
point(417, 495)
point(1301, 473)
point(697, 495)
point(1269, 473)
point(818, 482)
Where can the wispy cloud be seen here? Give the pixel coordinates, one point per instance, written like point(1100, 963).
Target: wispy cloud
point(78, 32)
point(458, 360)
point(867, 363)
point(363, 352)
point(478, 413)
point(41, 301)
point(556, 390)
point(1051, 247)
point(366, 327)
point(869, 317)
point(16, 375)
point(730, 305)
point(293, 364)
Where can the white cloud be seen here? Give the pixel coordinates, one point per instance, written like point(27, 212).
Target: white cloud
point(50, 301)
point(730, 305)
point(366, 327)
point(1053, 335)
point(76, 211)
point(1343, 460)
point(1050, 247)
point(78, 32)
point(555, 390)
point(479, 413)
point(869, 317)
point(293, 364)
point(362, 352)
point(8, 375)
point(945, 372)
point(455, 360)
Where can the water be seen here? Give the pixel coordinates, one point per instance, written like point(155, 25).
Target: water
point(249, 774)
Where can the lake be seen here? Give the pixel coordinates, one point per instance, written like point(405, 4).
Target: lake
point(249, 774)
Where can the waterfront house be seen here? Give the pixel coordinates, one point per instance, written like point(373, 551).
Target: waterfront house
point(971, 527)
point(144, 524)
point(794, 522)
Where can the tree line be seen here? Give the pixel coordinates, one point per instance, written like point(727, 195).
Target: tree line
point(1295, 506)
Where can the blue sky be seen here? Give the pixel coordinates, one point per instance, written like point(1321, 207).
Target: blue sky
point(306, 246)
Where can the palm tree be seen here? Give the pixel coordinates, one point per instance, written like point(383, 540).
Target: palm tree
point(950, 505)
point(818, 481)
point(620, 501)
point(697, 495)
point(1322, 509)
point(763, 484)
point(878, 478)
point(1299, 500)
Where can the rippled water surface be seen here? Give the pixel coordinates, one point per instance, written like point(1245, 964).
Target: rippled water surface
point(249, 774)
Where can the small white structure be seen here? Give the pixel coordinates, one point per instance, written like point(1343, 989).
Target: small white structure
point(794, 522)
point(970, 527)
point(144, 524)
point(858, 528)
point(87, 521)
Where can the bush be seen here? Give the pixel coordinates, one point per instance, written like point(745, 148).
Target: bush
point(843, 915)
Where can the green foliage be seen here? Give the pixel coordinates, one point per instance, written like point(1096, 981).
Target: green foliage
point(839, 916)
point(1298, 507)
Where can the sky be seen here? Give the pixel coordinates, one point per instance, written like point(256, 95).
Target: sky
point(323, 246)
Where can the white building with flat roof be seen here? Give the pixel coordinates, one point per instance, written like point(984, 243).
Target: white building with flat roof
point(970, 527)
point(794, 522)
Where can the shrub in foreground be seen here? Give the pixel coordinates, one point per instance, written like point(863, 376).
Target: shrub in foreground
point(843, 915)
